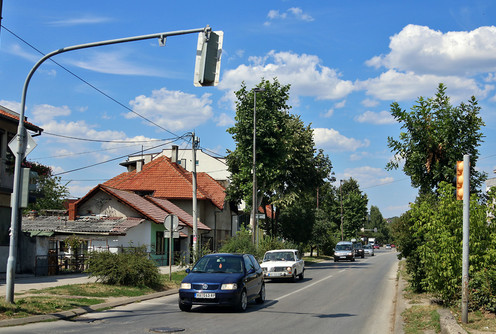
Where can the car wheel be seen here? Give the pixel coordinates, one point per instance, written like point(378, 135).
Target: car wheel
point(293, 278)
point(300, 276)
point(335, 260)
point(185, 307)
point(363, 255)
point(261, 296)
point(353, 260)
point(243, 302)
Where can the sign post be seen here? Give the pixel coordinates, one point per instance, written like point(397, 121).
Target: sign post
point(171, 223)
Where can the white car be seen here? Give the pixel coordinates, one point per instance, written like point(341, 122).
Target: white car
point(368, 250)
point(283, 263)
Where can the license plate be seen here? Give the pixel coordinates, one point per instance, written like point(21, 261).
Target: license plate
point(342, 257)
point(205, 295)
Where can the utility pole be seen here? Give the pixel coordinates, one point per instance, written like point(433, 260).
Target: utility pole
point(466, 228)
point(341, 199)
point(195, 202)
point(254, 206)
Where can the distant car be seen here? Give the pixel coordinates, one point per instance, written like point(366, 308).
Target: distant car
point(388, 246)
point(283, 263)
point(358, 249)
point(376, 246)
point(223, 280)
point(368, 250)
point(344, 251)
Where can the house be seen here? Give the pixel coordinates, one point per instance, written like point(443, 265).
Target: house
point(9, 121)
point(130, 209)
point(216, 167)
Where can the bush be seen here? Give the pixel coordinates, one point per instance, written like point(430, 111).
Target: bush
point(240, 243)
point(483, 290)
point(133, 267)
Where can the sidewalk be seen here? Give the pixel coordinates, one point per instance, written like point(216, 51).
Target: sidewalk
point(25, 282)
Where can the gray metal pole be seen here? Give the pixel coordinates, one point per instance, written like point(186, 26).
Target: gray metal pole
point(21, 146)
point(466, 228)
point(254, 168)
point(195, 222)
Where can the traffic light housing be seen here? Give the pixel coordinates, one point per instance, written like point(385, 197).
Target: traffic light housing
point(459, 180)
point(208, 53)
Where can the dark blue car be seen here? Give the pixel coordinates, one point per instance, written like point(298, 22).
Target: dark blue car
point(223, 280)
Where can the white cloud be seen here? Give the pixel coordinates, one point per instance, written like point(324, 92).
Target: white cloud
point(383, 117)
point(43, 113)
point(368, 176)
point(294, 13)
point(115, 63)
point(173, 110)
point(83, 20)
point(225, 120)
point(370, 103)
point(333, 141)
point(397, 86)
point(359, 156)
point(328, 113)
point(305, 73)
point(424, 50)
point(12, 105)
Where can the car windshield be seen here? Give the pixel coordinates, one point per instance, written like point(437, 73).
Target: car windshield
point(367, 247)
point(219, 264)
point(279, 256)
point(343, 247)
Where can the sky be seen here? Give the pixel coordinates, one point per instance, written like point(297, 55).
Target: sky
point(346, 62)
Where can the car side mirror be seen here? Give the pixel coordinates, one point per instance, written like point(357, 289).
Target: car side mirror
point(188, 270)
point(251, 271)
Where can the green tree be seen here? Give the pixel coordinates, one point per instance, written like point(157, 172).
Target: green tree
point(376, 219)
point(50, 194)
point(354, 208)
point(287, 164)
point(436, 135)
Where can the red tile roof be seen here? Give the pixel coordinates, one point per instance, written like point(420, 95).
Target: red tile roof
point(153, 209)
point(165, 179)
point(15, 118)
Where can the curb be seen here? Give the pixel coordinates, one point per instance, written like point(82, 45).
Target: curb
point(80, 311)
point(449, 325)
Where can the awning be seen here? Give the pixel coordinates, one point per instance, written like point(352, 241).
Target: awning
point(41, 233)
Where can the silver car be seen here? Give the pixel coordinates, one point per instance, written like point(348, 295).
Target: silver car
point(368, 250)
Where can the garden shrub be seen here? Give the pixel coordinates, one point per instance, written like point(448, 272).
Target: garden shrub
point(132, 267)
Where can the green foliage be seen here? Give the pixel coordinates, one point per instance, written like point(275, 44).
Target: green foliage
point(437, 135)
point(354, 208)
point(434, 250)
point(50, 194)
point(288, 166)
point(132, 267)
point(240, 243)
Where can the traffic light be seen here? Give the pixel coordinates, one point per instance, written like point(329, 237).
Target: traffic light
point(459, 180)
point(208, 53)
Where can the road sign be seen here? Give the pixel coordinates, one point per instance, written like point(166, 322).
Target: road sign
point(175, 235)
point(171, 222)
point(29, 145)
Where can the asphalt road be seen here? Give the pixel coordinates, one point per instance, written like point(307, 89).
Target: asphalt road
point(344, 297)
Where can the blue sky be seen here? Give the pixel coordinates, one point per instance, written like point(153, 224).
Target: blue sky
point(346, 61)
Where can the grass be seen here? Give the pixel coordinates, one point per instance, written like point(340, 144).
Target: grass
point(67, 297)
point(309, 260)
point(419, 318)
point(477, 321)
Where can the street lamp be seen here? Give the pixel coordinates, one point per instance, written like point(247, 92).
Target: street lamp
point(253, 220)
point(341, 198)
point(21, 140)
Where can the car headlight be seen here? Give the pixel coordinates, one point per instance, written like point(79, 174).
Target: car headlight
point(289, 270)
point(229, 286)
point(186, 286)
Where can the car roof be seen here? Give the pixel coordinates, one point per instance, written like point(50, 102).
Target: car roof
point(282, 250)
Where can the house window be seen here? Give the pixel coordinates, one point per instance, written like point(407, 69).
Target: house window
point(159, 243)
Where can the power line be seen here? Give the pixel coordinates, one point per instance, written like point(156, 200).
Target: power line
point(88, 83)
point(107, 141)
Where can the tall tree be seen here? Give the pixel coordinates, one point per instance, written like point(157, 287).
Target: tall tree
point(287, 164)
point(50, 194)
point(376, 219)
point(354, 208)
point(437, 135)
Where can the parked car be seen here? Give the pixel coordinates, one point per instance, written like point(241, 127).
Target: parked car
point(344, 251)
point(223, 280)
point(388, 246)
point(283, 263)
point(358, 249)
point(368, 250)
